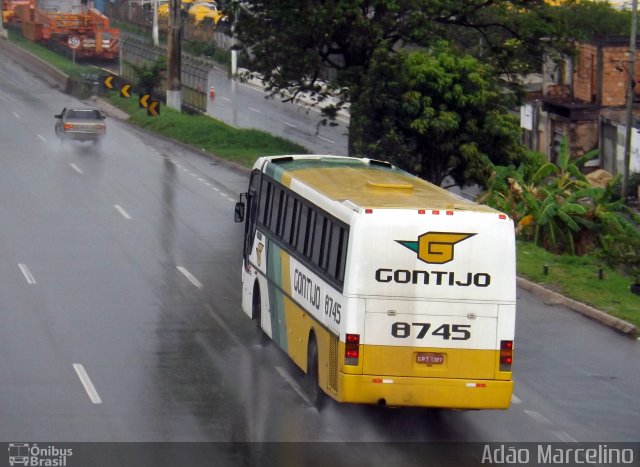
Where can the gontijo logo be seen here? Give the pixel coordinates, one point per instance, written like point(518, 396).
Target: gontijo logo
point(435, 247)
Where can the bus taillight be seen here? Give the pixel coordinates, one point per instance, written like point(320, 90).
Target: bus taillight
point(352, 349)
point(506, 355)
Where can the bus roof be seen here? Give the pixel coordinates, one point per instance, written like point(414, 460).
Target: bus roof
point(364, 182)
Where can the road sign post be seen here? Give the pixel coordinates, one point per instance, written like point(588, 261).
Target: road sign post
point(73, 43)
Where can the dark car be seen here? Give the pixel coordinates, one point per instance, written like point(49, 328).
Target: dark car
point(81, 124)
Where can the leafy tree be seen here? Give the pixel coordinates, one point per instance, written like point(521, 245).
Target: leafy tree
point(291, 43)
point(585, 19)
point(150, 76)
point(437, 112)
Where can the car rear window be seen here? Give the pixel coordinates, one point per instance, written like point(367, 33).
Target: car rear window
point(84, 114)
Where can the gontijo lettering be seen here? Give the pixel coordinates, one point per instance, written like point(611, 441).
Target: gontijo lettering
point(304, 286)
point(405, 276)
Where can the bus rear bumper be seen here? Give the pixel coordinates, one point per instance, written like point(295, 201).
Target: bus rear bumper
point(424, 392)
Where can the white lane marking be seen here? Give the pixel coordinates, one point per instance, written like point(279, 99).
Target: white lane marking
point(86, 382)
point(225, 98)
point(76, 168)
point(190, 276)
point(205, 182)
point(327, 140)
point(223, 325)
point(564, 436)
point(16, 114)
point(122, 212)
point(295, 386)
point(515, 399)
point(251, 86)
point(42, 138)
point(27, 274)
point(289, 124)
point(255, 110)
point(538, 417)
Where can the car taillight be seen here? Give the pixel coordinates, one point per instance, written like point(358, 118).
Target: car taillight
point(506, 355)
point(68, 126)
point(352, 349)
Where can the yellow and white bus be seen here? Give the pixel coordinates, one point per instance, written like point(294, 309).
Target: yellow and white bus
point(383, 288)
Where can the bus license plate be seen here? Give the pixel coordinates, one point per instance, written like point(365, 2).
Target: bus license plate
point(430, 358)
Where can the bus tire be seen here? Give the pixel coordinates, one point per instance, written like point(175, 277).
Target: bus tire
point(316, 394)
point(256, 315)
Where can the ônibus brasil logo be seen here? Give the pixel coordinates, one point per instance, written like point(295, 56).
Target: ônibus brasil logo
point(31, 454)
point(435, 247)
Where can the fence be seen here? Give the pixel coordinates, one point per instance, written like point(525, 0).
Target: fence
point(194, 72)
point(141, 14)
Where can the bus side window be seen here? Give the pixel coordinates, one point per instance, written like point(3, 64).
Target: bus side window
point(275, 209)
point(309, 230)
point(265, 202)
point(284, 214)
point(318, 237)
point(326, 244)
point(334, 245)
point(291, 224)
point(301, 236)
point(341, 248)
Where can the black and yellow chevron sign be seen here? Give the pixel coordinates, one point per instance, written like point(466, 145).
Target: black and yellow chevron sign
point(153, 108)
point(124, 92)
point(143, 101)
point(108, 82)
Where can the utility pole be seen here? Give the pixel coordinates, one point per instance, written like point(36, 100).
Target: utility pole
point(234, 52)
point(3, 31)
point(154, 30)
point(629, 119)
point(174, 85)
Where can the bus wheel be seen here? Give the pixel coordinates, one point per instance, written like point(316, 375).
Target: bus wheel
point(316, 395)
point(256, 314)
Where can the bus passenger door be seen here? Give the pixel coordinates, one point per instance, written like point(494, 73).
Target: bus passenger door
point(252, 215)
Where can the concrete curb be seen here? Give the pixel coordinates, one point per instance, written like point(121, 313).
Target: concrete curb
point(108, 109)
point(552, 297)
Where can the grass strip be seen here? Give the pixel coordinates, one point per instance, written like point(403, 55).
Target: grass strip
point(62, 63)
point(578, 277)
point(202, 132)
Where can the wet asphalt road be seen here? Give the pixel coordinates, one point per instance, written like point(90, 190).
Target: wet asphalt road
point(120, 314)
point(245, 105)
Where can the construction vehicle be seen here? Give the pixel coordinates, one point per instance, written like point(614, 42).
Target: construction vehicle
point(69, 26)
point(206, 13)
